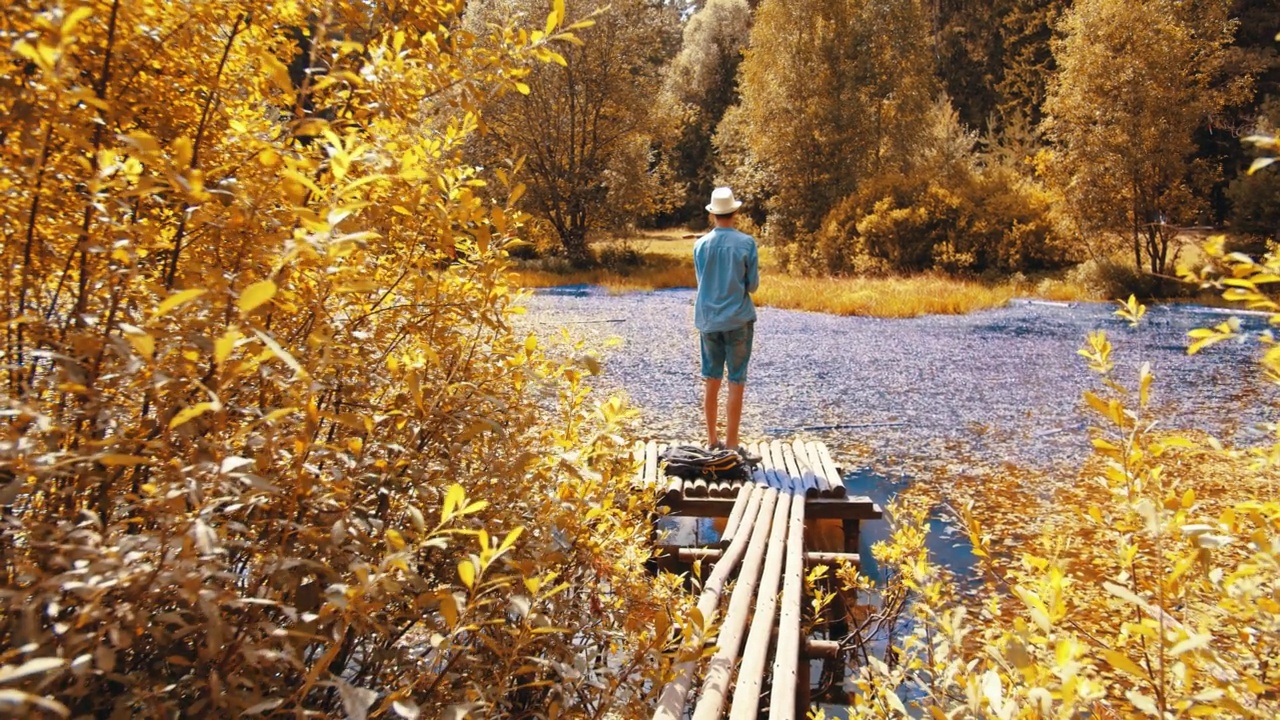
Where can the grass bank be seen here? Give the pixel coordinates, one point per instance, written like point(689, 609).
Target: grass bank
point(661, 260)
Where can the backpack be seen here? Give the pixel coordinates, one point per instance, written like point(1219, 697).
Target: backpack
point(691, 462)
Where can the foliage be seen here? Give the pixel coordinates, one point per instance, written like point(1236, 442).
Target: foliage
point(1111, 278)
point(1135, 81)
point(1026, 35)
point(945, 213)
point(584, 127)
point(738, 166)
point(1143, 595)
point(703, 79)
point(1255, 196)
point(271, 447)
point(833, 93)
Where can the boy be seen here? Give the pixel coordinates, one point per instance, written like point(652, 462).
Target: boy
point(728, 270)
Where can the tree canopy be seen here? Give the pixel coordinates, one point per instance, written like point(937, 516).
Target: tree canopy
point(1126, 132)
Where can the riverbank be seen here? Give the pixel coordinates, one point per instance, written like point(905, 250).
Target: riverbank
point(660, 260)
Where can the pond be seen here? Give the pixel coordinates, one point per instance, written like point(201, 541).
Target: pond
point(921, 400)
point(914, 400)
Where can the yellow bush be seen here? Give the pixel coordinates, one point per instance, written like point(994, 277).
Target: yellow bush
point(271, 447)
point(1149, 592)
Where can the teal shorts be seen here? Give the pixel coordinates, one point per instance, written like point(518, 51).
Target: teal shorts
point(731, 348)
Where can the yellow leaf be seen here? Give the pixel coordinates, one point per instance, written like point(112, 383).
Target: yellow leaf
point(177, 299)
point(510, 539)
point(449, 608)
point(1260, 163)
point(142, 343)
point(280, 352)
point(223, 346)
point(115, 459)
point(1191, 644)
point(278, 72)
point(182, 151)
point(190, 413)
point(552, 21)
point(73, 19)
point(1097, 403)
point(467, 572)
point(1144, 384)
point(255, 295)
point(452, 499)
point(1121, 662)
point(395, 539)
point(277, 414)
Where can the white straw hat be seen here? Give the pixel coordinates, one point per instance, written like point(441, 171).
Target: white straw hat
point(722, 202)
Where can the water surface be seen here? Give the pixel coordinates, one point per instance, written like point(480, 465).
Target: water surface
point(996, 386)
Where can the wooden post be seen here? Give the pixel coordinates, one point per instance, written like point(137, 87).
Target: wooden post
point(802, 685)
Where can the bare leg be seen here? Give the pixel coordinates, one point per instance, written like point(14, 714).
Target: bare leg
point(710, 409)
point(733, 414)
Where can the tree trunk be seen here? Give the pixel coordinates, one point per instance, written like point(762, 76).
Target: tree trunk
point(574, 239)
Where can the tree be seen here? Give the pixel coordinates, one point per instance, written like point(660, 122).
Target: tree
point(586, 128)
point(1135, 80)
point(1255, 196)
point(831, 94)
point(703, 80)
point(269, 436)
point(1026, 32)
point(970, 54)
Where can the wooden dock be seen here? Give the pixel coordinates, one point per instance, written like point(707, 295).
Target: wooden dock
point(761, 664)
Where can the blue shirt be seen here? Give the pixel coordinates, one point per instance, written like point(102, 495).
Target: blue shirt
point(728, 269)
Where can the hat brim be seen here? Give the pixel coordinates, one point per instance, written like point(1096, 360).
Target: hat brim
point(725, 211)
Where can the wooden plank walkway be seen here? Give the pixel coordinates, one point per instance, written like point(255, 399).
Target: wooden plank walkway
point(763, 550)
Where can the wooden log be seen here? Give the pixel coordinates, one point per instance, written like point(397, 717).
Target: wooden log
point(746, 694)
point(825, 649)
point(829, 482)
point(766, 472)
point(814, 557)
point(724, 488)
point(674, 493)
point(638, 455)
point(780, 465)
point(696, 487)
point(855, 507)
point(651, 476)
point(811, 557)
point(735, 517)
point(719, 672)
point(833, 472)
point(805, 483)
point(786, 661)
point(812, 487)
point(809, 467)
point(675, 695)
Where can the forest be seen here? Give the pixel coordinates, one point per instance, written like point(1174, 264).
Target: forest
point(273, 446)
point(899, 137)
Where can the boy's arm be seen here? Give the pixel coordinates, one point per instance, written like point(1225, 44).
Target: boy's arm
point(753, 270)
